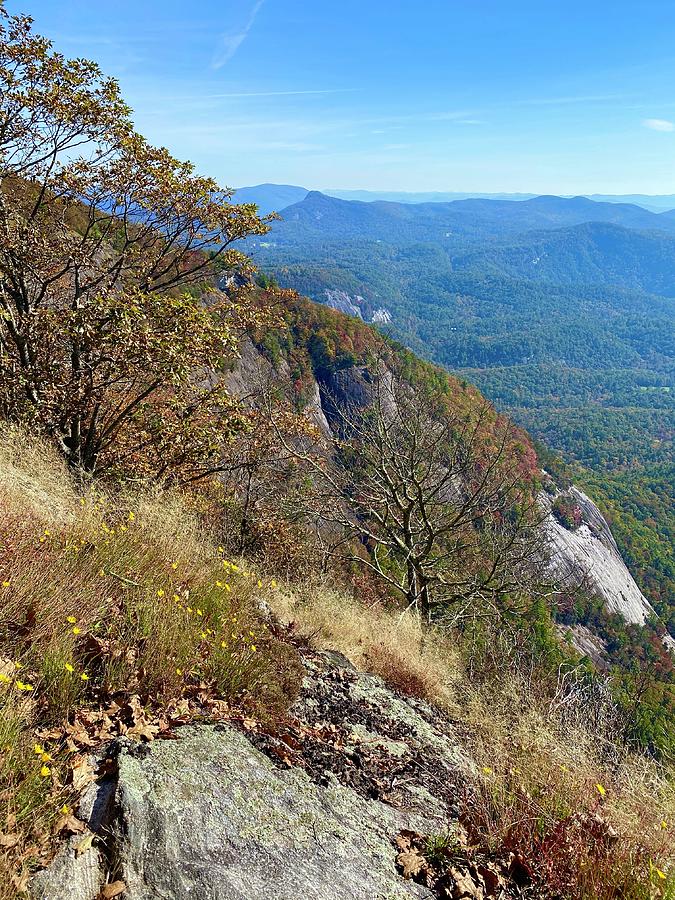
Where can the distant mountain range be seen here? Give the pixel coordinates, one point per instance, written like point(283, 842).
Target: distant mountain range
point(454, 224)
point(275, 197)
point(562, 310)
point(271, 197)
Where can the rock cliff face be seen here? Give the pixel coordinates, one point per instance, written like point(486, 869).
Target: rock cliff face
point(311, 811)
point(356, 306)
point(585, 553)
point(588, 552)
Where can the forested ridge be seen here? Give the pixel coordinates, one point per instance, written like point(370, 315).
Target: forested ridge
point(570, 328)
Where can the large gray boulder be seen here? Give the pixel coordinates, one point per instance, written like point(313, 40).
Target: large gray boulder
point(309, 809)
point(209, 817)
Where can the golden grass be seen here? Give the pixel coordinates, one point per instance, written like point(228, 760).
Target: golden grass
point(538, 778)
point(145, 585)
point(105, 598)
point(398, 647)
point(552, 793)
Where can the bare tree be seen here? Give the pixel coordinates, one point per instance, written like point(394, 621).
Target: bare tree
point(439, 500)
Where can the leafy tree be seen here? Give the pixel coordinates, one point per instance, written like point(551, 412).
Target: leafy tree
point(101, 235)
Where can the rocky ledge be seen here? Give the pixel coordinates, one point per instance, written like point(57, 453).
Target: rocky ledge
point(314, 808)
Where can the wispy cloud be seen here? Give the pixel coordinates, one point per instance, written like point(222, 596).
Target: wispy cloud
point(243, 94)
point(232, 41)
point(659, 124)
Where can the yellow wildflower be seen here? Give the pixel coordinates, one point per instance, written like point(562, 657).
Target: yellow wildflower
point(5, 679)
point(69, 668)
point(131, 517)
point(600, 789)
point(38, 749)
point(5, 583)
point(179, 671)
point(45, 771)
point(71, 619)
point(84, 676)
point(174, 565)
point(21, 686)
point(273, 583)
point(160, 593)
point(253, 648)
point(77, 630)
point(65, 810)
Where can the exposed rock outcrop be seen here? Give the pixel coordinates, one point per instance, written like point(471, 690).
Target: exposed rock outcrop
point(311, 810)
point(588, 552)
point(341, 301)
point(585, 553)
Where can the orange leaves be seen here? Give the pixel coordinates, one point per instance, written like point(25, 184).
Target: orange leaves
point(114, 889)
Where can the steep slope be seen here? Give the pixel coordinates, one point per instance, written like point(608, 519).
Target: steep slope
point(361, 789)
point(328, 348)
point(590, 552)
point(568, 329)
point(316, 825)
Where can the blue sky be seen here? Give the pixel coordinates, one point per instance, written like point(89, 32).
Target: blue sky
point(466, 95)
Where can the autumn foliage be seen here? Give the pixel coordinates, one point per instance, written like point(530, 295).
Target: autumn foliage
point(105, 244)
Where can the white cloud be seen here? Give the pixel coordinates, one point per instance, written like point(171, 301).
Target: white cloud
point(231, 42)
point(659, 124)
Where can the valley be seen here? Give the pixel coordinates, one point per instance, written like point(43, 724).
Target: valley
point(561, 311)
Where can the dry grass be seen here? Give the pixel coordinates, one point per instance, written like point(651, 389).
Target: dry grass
point(160, 614)
point(592, 820)
point(104, 599)
point(411, 658)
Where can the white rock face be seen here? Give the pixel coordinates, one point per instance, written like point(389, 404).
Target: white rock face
point(341, 301)
point(381, 316)
point(590, 552)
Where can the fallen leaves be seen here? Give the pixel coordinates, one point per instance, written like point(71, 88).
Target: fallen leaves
point(410, 862)
point(7, 841)
point(85, 844)
point(68, 824)
point(83, 773)
point(113, 890)
point(450, 866)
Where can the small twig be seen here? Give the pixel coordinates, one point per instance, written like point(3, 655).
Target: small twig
point(121, 578)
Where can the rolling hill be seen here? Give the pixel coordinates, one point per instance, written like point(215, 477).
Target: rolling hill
point(560, 310)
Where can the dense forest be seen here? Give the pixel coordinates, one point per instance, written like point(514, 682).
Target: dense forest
point(571, 329)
